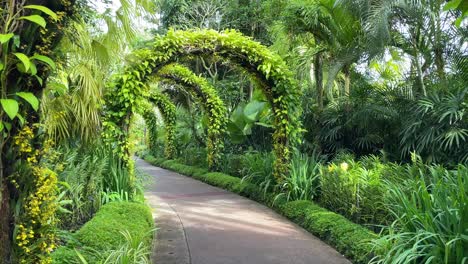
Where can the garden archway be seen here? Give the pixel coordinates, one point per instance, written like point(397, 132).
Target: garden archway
point(206, 94)
point(269, 69)
point(168, 113)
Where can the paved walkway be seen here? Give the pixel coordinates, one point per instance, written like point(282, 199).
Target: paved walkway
point(201, 224)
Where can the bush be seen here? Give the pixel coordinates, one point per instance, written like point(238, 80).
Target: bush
point(103, 233)
point(348, 238)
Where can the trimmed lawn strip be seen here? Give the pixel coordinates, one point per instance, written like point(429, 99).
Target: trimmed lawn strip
point(103, 232)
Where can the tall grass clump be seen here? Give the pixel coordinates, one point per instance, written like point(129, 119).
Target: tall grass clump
point(302, 183)
point(431, 211)
point(257, 168)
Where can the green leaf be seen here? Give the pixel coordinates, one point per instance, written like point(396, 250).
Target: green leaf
point(24, 59)
point(21, 119)
point(36, 19)
point(30, 98)
point(16, 41)
point(253, 110)
point(7, 125)
point(4, 38)
point(33, 69)
point(1, 66)
point(44, 59)
point(10, 106)
point(44, 9)
point(452, 5)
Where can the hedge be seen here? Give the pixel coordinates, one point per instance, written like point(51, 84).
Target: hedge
point(103, 232)
point(350, 239)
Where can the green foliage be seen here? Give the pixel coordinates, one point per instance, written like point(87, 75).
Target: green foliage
point(430, 208)
point(277, 83)
point(194, 156)
point(89, 178)
point(365, 122)
point(101, 237)
point(302, 183)
point(168, 112)
point(356, 189)
point(257, 168)
point(135, 250)
point(348, 238)
point(245, 117)
point(436, 128)
point(207, 96)
point(232, 164)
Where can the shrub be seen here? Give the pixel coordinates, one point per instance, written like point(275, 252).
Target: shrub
point(102, 234)
point(231, 164)
point(194, 156)
point(348, 238)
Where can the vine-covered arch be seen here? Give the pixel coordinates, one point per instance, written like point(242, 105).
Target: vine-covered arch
point(168, 113)
point(269, 69)
point(206, 94)
point(151, 121)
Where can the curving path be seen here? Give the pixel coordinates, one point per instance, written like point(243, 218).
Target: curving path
point(201, 224)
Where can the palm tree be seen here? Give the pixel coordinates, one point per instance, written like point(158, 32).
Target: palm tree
point(337, 35)
point(71, 105)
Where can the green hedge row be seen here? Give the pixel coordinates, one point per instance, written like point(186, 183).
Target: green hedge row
point(103, 232)
point(350, 239)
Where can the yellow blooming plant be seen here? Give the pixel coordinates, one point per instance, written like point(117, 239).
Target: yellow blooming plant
point(34, 237)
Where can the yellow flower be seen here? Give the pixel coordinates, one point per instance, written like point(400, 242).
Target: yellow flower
point(344, 166)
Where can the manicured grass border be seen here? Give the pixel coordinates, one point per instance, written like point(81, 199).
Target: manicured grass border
point(103, 232)
point(350, 239)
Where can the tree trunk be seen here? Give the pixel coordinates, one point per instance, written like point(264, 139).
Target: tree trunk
point(347, 79)
point(419, 73)
point(5, 220)
point(5, 212)
point(438, 45)
point(318, 74)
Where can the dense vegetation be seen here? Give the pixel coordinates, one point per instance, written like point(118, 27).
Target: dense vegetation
point(359, 107)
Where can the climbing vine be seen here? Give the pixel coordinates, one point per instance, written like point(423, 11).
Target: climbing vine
point(168, 112)
point(206, 94)
point(269, 69)
point(151, 122)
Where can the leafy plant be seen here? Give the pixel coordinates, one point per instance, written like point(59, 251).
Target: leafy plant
point(355, 189)
point(245, 117)
point(430, 210)
point(302, 183)
point(258, 169)
point(436, 128)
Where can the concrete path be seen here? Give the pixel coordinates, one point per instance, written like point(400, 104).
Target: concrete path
point(201, 224)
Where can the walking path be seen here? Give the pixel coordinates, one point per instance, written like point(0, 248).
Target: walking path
point(201, 224)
